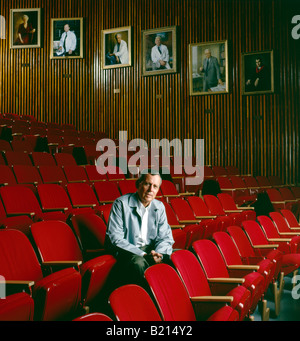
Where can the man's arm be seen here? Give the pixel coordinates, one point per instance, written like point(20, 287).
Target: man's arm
point(116, 230)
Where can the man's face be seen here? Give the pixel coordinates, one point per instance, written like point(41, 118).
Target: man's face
point(66, 28)
point(207, 54)
point(148, 188)
point(118, 38)
point(157, 41)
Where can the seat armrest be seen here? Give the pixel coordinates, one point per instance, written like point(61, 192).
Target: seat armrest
point(266, 246)
point(177, 226)
point(289, 233)
point(213, 299)
point(13, 286)
point(85, 205)
point(206, 217)
point(243, 267)
point(63, 264)
point(226, 280)
point(278, 240)
point(195, 221)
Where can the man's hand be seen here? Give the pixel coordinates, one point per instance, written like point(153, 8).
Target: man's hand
point(157, 257)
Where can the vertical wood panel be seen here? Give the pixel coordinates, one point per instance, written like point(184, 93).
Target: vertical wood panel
point(259, 134)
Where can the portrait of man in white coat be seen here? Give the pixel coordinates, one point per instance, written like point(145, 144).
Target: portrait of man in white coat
point(160, 55)
point(67, 43)
point(66, 38)
point(120, 53)
point(116, 47)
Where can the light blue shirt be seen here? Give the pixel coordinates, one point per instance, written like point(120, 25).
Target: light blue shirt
point(125, 223)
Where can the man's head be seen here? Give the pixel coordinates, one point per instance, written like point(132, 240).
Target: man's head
point(118, 38)
point(258, 62)
point(67, 28)
point(157, 40)
point(147, 187)
point(207, 53)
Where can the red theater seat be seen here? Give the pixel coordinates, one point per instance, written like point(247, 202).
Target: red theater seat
point(17, 307)
point(197, 285)
point(107, 191)
point(91, 230)
point(132, 303)
point(172, 297)
point(290, 262)
point(56, 296)
point(20, 200)
point(56, 242)
point(215, 267)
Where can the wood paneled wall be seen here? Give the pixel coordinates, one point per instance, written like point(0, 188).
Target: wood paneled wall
point(257, 133)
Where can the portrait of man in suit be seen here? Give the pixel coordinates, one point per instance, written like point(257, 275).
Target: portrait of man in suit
point(208, 68)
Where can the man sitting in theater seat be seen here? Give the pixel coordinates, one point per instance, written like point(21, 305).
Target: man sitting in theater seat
point(138, 233)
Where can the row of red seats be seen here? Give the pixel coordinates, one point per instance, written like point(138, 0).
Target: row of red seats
point(173, 199)
point(232, 258)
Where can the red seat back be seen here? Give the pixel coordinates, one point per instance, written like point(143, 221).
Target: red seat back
point(191, 273)
point(93, 174)
point(19, 199)
point(254, 233)
point(198, 206)
point(18, 260)
point(227, 248)
point(81, 194)
point(53, 196)
point(7, 176)
point(64, 159)
point(132, 303)
point(91, 230)
point(227, 201)
point(241, 241)
point(169, 291)
point(213, 205)
point(268, 226)
point(290, 218)
point(168, 188)
point(56, 241)
point(210, 258)
point(182, 209)
point(280, 222)
point(75, 173)
point(107, 191)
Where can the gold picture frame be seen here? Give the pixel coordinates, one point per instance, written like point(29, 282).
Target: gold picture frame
point(257, 72)
point(116, 48)
point(66, 38)
point(208, 68)
point(163, 59)
point(25, 28)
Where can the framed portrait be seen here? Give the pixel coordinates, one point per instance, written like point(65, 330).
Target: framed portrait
point(116, 47)
point(257, 72)
point(66, 38)
point(208, 68)
point(25, 28)
point(159, 52)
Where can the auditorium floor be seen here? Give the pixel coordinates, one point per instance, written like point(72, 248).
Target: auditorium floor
point(289, 307)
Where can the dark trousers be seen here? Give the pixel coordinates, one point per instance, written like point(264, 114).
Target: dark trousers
point(130, 268)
